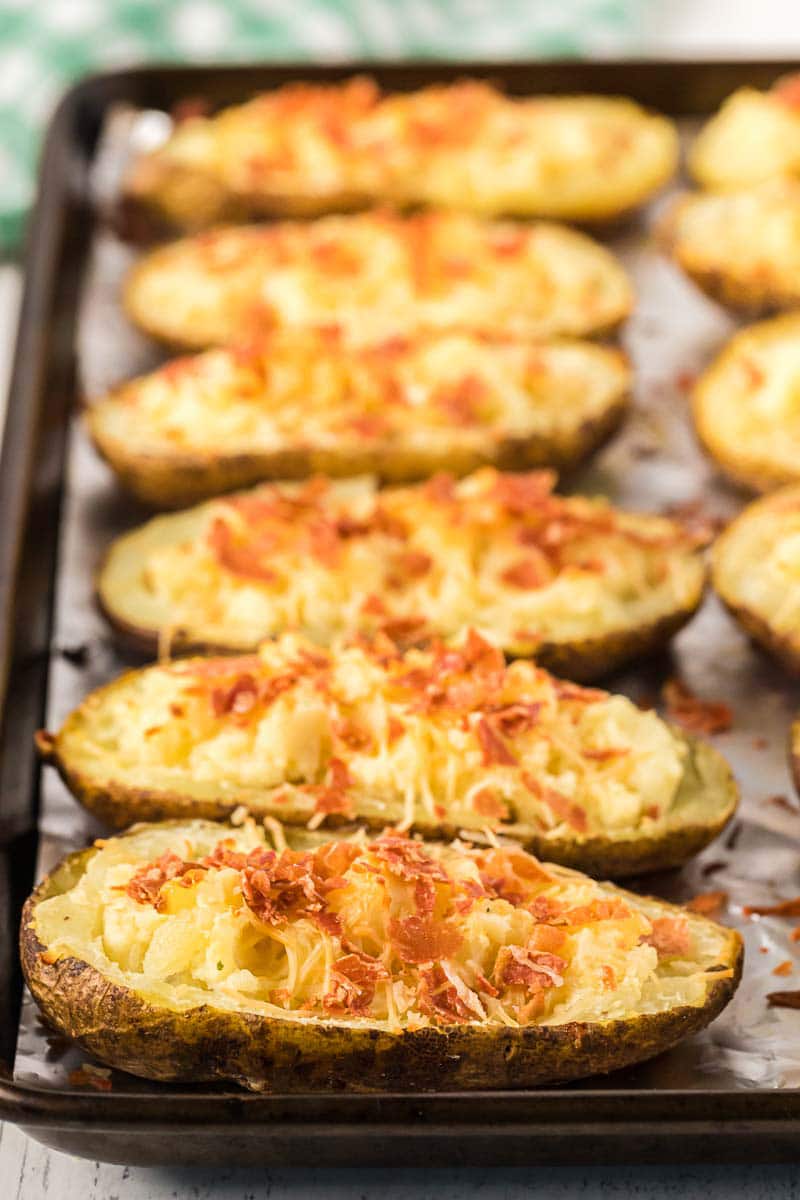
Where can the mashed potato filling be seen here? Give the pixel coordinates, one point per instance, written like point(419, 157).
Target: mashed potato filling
point(392, 931)
point(448, 735)
point(757, 562)
point(293, 391)
point(497, 551)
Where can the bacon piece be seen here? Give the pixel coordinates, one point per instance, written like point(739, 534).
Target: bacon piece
point(495, 751)
point(240, 697)
point(368, 425)
point(520, 494)
point(603, 909)
point(332, 796)
point(517, 718)
point(412, 564)
point(609, 978)
point(405, 629)
point(670, 936)
point(408, 859)
point(424, 896)
point(145, 885)
point(487, 803)
point(332, 860)
point(460, 400)
point(573, 692)
point(707, 903)
point(525, 966)
point(698, 716)
point(605, 753)
point(440, 489)
point(423, 939)
point(353, 736)
point(354, 978)
point(784, 968)
point(395, 729)
point(224, 855)
point(560, 806)
point(783, 999)
point(444, 996)
point(511, 875)
point(245, 558)
point(526, 574)
point(546, 909)
point(787, 90)
point(281, 888)
point(784, 908)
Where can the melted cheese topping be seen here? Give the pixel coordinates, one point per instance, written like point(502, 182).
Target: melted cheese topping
point(754, 137)
point(462, 145)
point(376, 277)
point(757, 562)
point(747, 243)
point(748, 403)
point(495, 550)
point(297, 391)
point(430, 736)
point(390, 932)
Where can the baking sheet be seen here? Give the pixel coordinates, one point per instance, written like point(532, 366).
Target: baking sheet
point(652, 465)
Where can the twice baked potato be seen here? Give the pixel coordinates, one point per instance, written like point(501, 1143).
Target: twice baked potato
point(746, 405)
point(446, 739)
point(755, 136)
point(309, 149)
point(292, 404)
point(756, 572)
point(741, 248)
point(579, 583)
point(189, 952)
point(376, 276)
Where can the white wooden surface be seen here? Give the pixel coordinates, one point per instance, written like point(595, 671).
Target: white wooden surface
point(28, 1171)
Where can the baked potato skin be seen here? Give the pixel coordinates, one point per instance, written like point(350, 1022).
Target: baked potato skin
point(745, 464)
point(118, 807)
point(120, 1028)
point(173, 482)
point(794, 752)
point(784, 648)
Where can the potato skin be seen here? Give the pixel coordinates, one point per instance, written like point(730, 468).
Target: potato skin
point(118, 807)
point(205, 1044)
point(163, 482)
point(794, 752)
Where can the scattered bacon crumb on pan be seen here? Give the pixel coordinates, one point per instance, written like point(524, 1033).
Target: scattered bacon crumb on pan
point(98, 1078)
point(794, 936)
point(783, 802)
point(701, 525)
point(707, 903)
point(784, 968)
point(785, 908)
point(694, 714)
point(711, 868)
point(685, 381)
point(783, 999)
point(760, 743)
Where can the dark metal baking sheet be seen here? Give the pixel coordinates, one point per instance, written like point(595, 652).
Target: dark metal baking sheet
point(729, 1093)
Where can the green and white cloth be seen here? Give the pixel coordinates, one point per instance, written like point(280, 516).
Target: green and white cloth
point(46, 44)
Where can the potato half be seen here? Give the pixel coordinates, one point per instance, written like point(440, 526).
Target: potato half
point(579, 583)
point(191, 952)
point(306, 149)
point(741, 248)
point(756, 572)
point(754, 137)
point(437, 740)
point(746, 406)
point(375, 277)
point(294, 405)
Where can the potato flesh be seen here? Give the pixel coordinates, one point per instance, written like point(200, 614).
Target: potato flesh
point(159, 728)
point(301, 391)
point(757, 562)
point(748, 403)
point(213, 948)
point(469, 548)
point(754, 137)
point(376, 277)
point(462, 146)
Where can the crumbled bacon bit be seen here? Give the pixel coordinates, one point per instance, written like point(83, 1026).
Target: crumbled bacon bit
point(440, 489)
point(670, 936)
point(701, 525)
point(423, 938)
point(395, 729)
point(545, 908)
point(707, 903)
point(487, 803)
point(412, 564)
point(461, 399)
point(369, 425)
point(787, 90)
point(560, 806)
point(694, 714)
point(526, 574)
point(245, 558)
point(373, 606)
point(331, 797)
point(783, 802)
point(405, 630)
point(354, 978)
point(685, 381)
point(573, 692)
point(605, 753)
point(352, 735)
point(510, 874)
point(439, 996)
point(547, 937)
point(495, 751)
point(608, 977)
point(784, 968)
point(604, 909)
point(794, 936)
point(145, 885)
point(525, 966)
point(783, 999)
point(519, 494)
point(784, 908)
point(408, 858)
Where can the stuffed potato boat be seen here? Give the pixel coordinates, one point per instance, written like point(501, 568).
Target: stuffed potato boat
point(756, 572)
point(449, 738)
point(190, 952)
point(294, 404)
point(754, 137)
point(741, 248)
point(375, 277)
point(307, 149)
point(583, 585)
point(746, 405)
